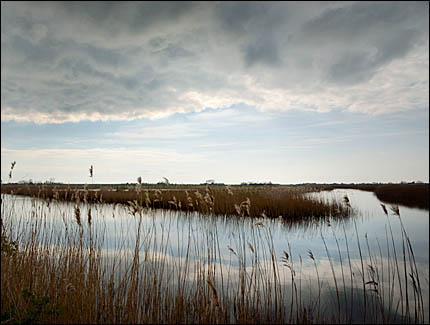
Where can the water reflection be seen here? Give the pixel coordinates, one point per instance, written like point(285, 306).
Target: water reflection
point(234, 248)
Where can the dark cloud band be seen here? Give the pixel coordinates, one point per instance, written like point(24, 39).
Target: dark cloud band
point(98, 60)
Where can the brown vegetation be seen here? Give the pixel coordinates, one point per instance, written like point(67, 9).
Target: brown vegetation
point(53, 276)
point(269, 201)
point(410, 195)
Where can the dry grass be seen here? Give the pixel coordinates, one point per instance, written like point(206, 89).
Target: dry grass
point(55, 273)
point(410, 195)
point(271, 202)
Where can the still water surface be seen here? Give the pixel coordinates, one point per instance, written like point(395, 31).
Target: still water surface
point(232, 242)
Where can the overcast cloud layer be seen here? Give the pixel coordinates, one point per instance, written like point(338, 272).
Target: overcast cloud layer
point(73, 61)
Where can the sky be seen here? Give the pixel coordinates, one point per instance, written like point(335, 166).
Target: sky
point(281, 92)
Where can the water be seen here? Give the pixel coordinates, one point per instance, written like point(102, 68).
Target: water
point(228, 245)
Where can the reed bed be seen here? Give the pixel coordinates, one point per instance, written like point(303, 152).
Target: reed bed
point(411, 195)
point(58, 270)
point(289, 202)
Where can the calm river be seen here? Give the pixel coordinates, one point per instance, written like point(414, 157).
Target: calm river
point(369, 238)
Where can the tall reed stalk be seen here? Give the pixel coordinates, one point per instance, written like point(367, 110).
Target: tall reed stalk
point(56, 268)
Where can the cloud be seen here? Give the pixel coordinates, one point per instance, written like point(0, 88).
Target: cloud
point(174, 131)
point(370, 36)
point(98, 61)
point(119, 164)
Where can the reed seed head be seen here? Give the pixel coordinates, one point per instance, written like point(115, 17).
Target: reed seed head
point(384, 208)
